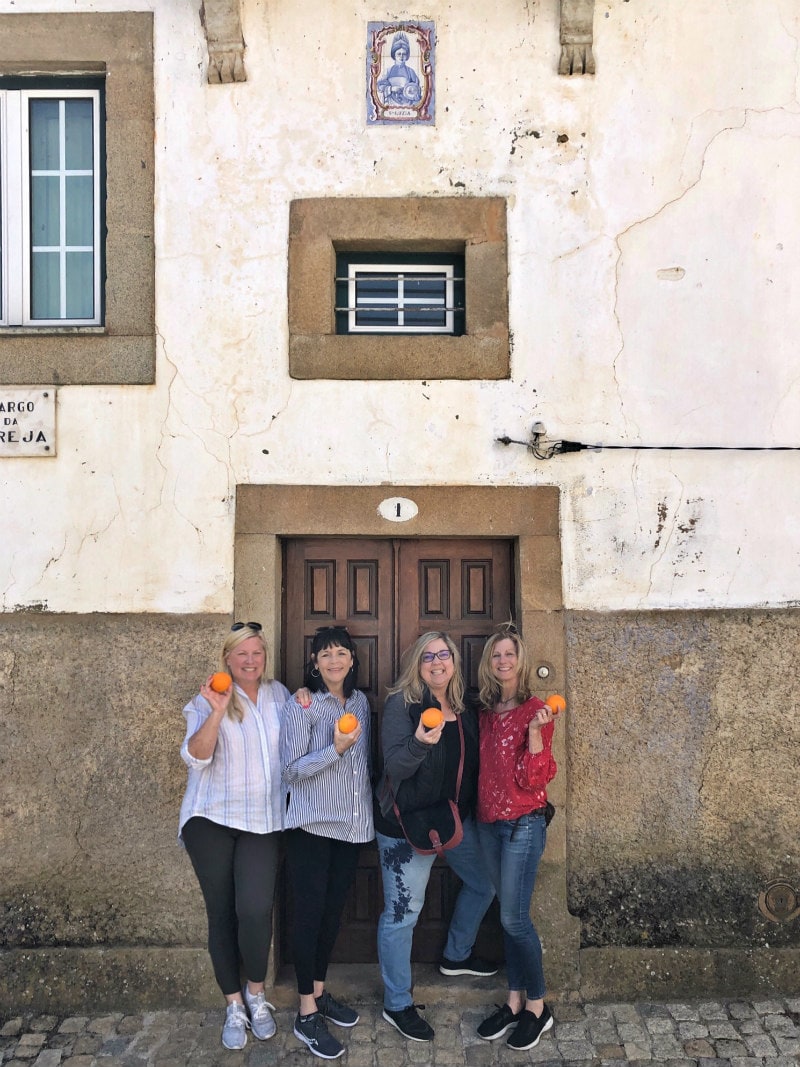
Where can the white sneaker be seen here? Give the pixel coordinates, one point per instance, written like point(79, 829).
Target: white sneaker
point(234, 1031)
point(261, 1022)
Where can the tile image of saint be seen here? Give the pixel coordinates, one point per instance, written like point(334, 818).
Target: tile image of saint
point(401, 86)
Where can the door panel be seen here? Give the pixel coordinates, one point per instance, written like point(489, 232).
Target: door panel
point(388, 593)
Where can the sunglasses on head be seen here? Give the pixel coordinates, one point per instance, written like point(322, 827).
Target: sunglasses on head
point(429, 657)
point(256, 627)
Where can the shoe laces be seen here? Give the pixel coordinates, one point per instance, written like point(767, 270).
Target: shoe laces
point(259, 1006)
point(236, 1012)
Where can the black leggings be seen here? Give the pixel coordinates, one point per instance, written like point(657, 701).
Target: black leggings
point(321, 871)
point(236, 872)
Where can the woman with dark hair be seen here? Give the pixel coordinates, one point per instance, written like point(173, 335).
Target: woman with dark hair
point(516, 765)
point(230, 821)
point(328, 818)
point(423, 767)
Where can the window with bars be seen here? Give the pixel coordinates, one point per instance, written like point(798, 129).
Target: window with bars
point(51, 202)
point(406, 293)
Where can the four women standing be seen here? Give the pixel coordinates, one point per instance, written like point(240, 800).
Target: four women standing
point(325, 805)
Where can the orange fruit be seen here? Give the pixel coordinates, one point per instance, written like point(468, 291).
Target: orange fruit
point(431, 717)
point(220, 682)
point(347, 723)
point(556, 703)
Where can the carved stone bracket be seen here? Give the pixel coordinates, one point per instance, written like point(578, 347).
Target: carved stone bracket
point(222, 22)
point(576, 37)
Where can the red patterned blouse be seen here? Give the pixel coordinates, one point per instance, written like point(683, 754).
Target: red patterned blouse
point(511, 781)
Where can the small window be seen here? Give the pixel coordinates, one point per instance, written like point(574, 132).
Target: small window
point(51, 179)
point(385, 294)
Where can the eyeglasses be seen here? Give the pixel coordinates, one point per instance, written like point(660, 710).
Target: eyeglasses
point(429, 657)
point(256, 627)
point(324, 629)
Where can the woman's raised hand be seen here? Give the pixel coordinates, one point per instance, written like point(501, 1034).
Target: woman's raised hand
point(341, 742)
point(426, 736)
point(219, 701)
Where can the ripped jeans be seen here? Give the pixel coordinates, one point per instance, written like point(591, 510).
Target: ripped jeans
point(405, 876)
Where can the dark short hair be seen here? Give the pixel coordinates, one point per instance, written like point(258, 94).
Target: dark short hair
point(328, 637)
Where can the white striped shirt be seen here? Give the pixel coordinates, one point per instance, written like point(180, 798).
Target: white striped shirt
point(329, 794)
point(240, 784)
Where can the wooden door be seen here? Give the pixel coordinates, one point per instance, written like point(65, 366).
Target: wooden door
point(387, 593)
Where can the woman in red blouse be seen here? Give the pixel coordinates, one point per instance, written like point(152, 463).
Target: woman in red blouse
point(516, 763)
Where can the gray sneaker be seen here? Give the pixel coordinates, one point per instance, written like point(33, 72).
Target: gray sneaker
point(234, 1032)
point(258, 1007)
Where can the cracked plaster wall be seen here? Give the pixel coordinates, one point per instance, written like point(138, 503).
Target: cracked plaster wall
point(653, 236)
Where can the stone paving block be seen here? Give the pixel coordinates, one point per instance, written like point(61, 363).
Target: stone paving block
point(86, 1045)
point(666, 1047)
point(726, 1049)
point(575, 1031)
point(787, 1046)
point(11, 1027)
point(793, 1004)
point(598, 1011)
point(48, 1057)
point(782, 1023)
point(31, 1041)
point(475, 1056)
point(689, 1031)
point(633, 1032)
point(635, 1050)
point(545, 1054)
point(130, 1024)
point(104, 1024)
point(602, 1032)
point(609, 1051)
point(625, 1013)
point(684, 1012)
point(712, 1010)
point(575, 1050)
point(658, 1025)
point(41, 1024)
point(751, 1026)
point(722, 1030)
point(760, 1045)
point(652, 1011)
point(768, 1007)
point(698, 1047)
point(740, 1009)
point(568, 1013)
point(78, 1061)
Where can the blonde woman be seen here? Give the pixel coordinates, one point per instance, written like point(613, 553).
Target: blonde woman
point(230, 820)
point(516, 763)
point(421, 768)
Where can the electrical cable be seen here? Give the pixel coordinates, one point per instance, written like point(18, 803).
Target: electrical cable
point(559, 448)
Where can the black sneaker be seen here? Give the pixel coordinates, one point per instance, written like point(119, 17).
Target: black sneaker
point(312, 1030)
point(498, 1023)
point(410, 1023)
point(336, 1012)
point(471, 965)
point(530, 1029)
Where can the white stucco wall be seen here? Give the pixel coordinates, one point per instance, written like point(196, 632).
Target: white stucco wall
point(654, 263)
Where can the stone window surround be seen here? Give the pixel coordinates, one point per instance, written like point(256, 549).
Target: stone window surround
point(321, 227)
point(122, 351)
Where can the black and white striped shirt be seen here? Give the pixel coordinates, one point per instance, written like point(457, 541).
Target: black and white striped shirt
point(329, 794)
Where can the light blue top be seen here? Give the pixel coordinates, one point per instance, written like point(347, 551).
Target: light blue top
point(240, 784)
point(329, 794)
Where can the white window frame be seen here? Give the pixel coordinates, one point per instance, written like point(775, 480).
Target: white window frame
point(15, 208)
point(400, 270)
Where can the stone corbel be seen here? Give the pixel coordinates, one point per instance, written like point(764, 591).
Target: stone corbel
point(222, 22)
point(576, 37)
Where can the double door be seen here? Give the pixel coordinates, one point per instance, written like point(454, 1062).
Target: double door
point(387, 592)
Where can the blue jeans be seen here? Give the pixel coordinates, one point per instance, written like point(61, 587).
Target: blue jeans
point(512, 850)
point(405, 876)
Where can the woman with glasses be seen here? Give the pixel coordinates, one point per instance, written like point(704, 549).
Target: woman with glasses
point(516, 731)
point(230, 820)
point(325, 761)
point(422, 767)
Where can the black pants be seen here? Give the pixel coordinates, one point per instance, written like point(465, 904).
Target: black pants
point(236, 872)
point(321, 871)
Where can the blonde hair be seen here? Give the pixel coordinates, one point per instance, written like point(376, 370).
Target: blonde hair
point(409, 681)
point(232, 641)
point(489, 689)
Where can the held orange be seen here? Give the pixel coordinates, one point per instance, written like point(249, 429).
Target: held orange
point(220, 682)
point(347, 723)
point(431, 717)
point(556, 703)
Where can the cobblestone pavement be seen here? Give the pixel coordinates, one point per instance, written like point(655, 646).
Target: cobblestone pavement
point(757, 1033)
